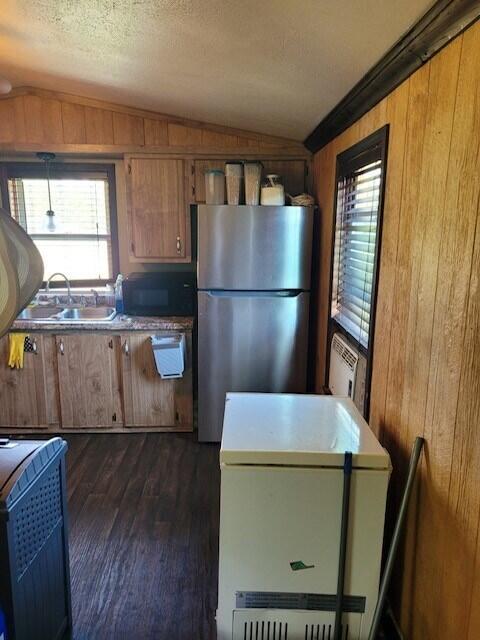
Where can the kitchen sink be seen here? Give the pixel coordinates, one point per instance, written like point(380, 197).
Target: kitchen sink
point(40, 313)
point(88, 314)
point(71, 314)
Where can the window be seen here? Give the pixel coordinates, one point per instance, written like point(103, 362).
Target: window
point(358, 204)
point(79, 240)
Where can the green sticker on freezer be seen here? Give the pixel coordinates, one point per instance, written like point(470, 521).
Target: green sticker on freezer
point(298, 565)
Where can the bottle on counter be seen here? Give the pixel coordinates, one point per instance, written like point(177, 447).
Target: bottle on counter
point(119, 294)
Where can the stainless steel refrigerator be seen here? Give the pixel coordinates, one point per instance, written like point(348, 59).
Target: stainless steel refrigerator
point(254, 267)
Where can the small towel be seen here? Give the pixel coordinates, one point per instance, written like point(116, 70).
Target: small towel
point(17, 342)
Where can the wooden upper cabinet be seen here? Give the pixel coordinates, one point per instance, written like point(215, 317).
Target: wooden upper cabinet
point(28, 396)
point(293, 173)
point(159, 214)
point(88, 381)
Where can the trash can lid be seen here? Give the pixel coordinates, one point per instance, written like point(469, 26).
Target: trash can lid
point(21, 461)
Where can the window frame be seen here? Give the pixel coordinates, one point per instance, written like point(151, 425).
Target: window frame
point(10, 170)
point(373, 147)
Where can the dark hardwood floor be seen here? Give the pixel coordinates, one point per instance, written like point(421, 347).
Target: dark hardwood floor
point(143, 514)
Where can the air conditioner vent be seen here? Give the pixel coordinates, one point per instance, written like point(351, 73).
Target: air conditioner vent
point(343, 367)
point(347, 355)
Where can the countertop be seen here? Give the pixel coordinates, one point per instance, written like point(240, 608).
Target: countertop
point(119, 323)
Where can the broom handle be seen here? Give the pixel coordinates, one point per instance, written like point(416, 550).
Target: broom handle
point(392, 552)
point(347, 479)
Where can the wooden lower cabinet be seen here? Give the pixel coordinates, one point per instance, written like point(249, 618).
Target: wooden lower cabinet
point(148, 400)
point(29, 396)
point(88, 381)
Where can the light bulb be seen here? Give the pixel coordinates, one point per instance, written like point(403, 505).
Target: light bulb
point(50, 223)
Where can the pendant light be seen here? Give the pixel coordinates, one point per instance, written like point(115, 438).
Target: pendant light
point(50, 224)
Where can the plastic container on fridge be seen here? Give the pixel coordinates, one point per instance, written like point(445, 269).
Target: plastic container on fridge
point(214, 186)
point(253, 178)
point(273, 191)
point(234, 179)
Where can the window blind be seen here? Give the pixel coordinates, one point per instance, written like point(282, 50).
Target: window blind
point(356, 237)
point(80, 245)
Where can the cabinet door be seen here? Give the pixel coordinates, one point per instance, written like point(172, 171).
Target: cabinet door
point(150, 401)
point(159, 216)
point(88, 381)
point(28, 396)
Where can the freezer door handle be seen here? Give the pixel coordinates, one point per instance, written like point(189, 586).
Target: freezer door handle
point(287, 293)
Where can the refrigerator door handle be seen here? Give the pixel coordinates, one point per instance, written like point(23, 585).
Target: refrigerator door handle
point(287, 293)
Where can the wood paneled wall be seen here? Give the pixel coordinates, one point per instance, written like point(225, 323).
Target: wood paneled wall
point(31, 118)
point(426, 365)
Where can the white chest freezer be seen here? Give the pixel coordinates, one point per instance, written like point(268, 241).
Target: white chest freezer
point(282, 482)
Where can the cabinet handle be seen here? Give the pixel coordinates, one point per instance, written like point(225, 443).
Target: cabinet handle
point(179, 244)
point(61, 348)
point(126, 348)
point(34, 347)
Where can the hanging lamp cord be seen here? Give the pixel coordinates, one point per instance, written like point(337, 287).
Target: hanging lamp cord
point(47, 163)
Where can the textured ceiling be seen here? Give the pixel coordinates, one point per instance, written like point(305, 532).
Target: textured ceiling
point(274, 66)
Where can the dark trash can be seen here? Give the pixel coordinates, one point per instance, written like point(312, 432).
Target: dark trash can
point(34, 567)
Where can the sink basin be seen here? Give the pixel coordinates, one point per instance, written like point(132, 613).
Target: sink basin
point(39, 313)
point(59, 314)
point(88, 314)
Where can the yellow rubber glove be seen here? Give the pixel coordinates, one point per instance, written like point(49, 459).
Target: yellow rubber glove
point(16, 343)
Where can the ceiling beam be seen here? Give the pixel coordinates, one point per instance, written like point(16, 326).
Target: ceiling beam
point(443, 22)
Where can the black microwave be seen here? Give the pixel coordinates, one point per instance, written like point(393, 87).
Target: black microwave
point(166, 293)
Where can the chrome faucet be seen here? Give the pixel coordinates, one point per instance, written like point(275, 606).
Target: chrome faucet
point(67, 282)
point(95, 296)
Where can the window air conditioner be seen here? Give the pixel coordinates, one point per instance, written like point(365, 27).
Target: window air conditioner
point(343, 367)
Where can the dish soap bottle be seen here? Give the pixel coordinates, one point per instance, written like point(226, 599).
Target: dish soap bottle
point(119, 294)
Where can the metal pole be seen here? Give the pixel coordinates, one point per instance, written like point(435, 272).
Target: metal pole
point(392, 552)
point(347, 476)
